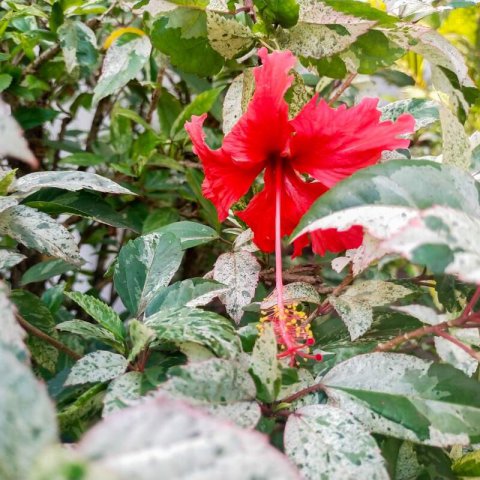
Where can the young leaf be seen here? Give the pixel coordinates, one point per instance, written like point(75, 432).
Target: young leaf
point(98, 366)
point(265, 367)
point(240, 272)
point(122, 63)
point(144, 266)
point(326, 442)
point(27, 418)
point(101, 313)
point(197, 326)
point(147, 439)
point(140, 336)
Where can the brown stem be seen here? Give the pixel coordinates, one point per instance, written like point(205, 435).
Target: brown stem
point(155, 95)
point(96, 123)
point(47, 338)
point(302, 393)
point(338, 93)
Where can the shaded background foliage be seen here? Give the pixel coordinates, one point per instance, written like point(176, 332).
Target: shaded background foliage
point(107, 275)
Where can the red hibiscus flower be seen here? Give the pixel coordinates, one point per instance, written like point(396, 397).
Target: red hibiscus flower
point(302, 158)
point(324, 143)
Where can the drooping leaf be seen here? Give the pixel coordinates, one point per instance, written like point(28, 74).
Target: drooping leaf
point(27, 418)
point(197, 326)
point(326, 442)
point(240, 272)
point(144, 266)
point(98, 366)
point(73, 181)
point(39, 231)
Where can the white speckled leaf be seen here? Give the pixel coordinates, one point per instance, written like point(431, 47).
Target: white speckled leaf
point(421, 312)
point(293, 293)
point(245, 242)
point(98, 366)
point(355, 305)
point(27, 418)
point(236, 99)
point(158, 435)
point(456, 356)
point(7, 202)
point(12, 142)
point(456, 142)
point(144, 266)
point(72, 181)
point(121, 392)
point(122, 63)
point(443, 239)
point(227, 36)
point(409, 8)
point(406, 397)
point(424, 111)
point(39, 231)
point(10, 258)
point(180, 325)
point(265, 367)
point(240, 272)
point(221, 387)
point(328, 443)
point(407, 466)
point(11, 333)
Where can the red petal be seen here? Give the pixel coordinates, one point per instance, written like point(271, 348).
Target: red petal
point(334, 241)
point(225, 182)
point(263, 131)
point(297, 198)
point(332, 144)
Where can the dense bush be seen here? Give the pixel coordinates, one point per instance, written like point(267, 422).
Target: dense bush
point(214, 235)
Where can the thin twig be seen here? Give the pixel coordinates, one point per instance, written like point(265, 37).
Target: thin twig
point(302, 393)
point(155, 95)
point(47, 338)
point(342, 88)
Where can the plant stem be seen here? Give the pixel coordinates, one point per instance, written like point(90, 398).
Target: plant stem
point(302, 393)
point(47, 338)
point(342, 88)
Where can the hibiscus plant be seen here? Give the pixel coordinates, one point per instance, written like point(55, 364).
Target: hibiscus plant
point(239, 239)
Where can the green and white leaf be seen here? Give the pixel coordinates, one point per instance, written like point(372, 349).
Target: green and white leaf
point(12, 334)
point(69, 180)
point(12, 142)
point(198, 326)
point(45, 270)
point(326, 442)
point(37, 230)
point(122, 63)
point(406, 397)
point(193, 292)
point(228, 36)
point(190, 234)
point(237, 98)
point(456, 142)
point(355, 305)
point(219, 386)
point(101, 313)
point(156, 435)
point(294, 292)
point(240, 271)
point(98, 366)
point(456, 356)
point(424, 111)
point(10, 258)
point(79, 46)
point(140, 337)
point(144, 266)
point(27, 417)
point(265, 367)
point(122, 392)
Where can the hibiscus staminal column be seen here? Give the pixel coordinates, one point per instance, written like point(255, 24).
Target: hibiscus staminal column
point(291, 326)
